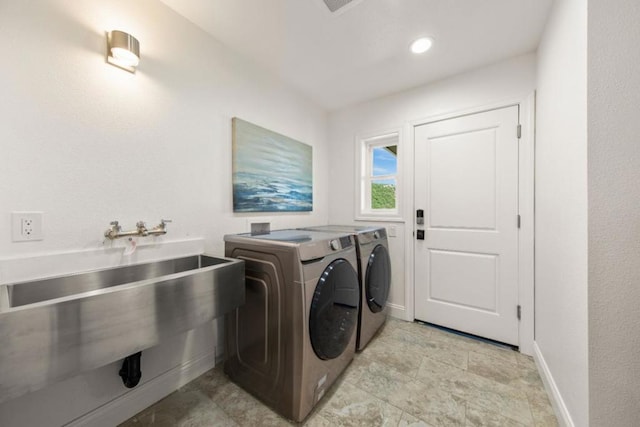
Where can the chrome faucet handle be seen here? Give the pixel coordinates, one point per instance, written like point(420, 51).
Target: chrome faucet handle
point(164, 221)
point(114, 224)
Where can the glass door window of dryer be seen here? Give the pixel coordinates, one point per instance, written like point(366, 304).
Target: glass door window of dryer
point(333, 314)
point(378, 279)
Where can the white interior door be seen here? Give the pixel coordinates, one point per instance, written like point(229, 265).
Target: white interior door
point(466, 183)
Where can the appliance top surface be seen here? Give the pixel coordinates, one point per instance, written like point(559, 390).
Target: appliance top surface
point(288, 237)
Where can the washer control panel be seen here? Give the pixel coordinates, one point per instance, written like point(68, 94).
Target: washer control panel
point(341, 243)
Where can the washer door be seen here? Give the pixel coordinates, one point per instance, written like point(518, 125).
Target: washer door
point(333, 315)
point(378, 279)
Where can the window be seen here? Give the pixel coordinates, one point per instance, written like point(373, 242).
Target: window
point(378, 173)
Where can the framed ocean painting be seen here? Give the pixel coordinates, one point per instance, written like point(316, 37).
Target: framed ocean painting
point(271, 172)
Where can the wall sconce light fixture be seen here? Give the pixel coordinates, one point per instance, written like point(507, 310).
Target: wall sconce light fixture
point(123, 50)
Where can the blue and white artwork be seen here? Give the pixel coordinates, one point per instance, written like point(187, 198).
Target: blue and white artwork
point(271, 172)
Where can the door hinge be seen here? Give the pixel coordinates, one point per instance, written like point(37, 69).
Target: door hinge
point(519, 221)
point(519, 312)
point(519, 131)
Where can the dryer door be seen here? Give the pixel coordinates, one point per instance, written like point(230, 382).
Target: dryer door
point(333, 315)
point(378, 279)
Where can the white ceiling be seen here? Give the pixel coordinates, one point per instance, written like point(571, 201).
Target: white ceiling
point(361, 51)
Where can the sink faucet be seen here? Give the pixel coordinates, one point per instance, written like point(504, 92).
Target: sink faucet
point(115, 231)
point(142, 228)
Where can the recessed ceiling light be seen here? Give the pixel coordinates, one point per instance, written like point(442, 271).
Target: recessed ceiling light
point(421, 45)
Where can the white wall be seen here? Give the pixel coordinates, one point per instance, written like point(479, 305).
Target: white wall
point(511, 80)
point(561, 207)
point(88, 143)
point(614, 213)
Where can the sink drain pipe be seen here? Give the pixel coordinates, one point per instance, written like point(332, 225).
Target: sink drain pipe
point(130, 371)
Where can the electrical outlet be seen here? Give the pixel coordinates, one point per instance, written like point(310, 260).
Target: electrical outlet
point(26, 226)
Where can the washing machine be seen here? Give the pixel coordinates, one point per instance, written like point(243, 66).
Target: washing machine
point(374, 272)
point(296, 332)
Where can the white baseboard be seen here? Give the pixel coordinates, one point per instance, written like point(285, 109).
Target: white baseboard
point(398, 312)
point(145, 395)
point(559, 407)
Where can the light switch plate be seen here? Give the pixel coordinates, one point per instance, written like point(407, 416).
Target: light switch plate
point(26, 226)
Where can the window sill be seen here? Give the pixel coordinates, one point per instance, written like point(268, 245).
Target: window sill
point(379, 218)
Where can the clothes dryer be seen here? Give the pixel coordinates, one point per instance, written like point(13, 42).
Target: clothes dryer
point(374, 272)
point(296, 332)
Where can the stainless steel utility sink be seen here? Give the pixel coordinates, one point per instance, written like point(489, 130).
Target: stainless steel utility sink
point(54, 328)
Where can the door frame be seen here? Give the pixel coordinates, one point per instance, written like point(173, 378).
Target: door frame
point(526, 208)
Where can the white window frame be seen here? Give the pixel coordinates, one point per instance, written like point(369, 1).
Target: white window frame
point(364, 176)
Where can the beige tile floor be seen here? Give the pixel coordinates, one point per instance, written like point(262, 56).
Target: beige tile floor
point(409, 375)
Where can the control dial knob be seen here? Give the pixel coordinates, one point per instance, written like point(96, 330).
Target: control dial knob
point(334, 244)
